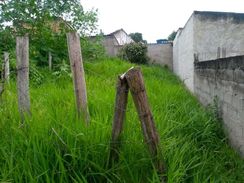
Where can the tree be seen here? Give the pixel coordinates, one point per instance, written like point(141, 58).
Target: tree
point(28, 15)
point(137, 37)
point(171, 37)
point(7, 41)
point(46, 22)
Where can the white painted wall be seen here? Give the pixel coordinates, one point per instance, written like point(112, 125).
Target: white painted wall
point(183, 58)
point(122, 38)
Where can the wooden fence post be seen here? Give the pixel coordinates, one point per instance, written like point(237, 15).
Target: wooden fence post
point(50, 61)
point(6, 66)
point(2, 80)
point(119, 116)
point(22, 58)
point(136, 84)
point(76, 64)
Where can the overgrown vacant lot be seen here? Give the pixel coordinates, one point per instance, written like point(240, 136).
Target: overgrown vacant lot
point(54, 146)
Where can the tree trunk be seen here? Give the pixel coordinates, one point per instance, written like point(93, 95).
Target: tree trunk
point(76, 63)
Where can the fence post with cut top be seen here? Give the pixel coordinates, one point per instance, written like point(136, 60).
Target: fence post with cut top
point(22, 59)
point(136, 84)
point(75, 57)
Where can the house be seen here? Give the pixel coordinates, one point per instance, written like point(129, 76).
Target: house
point(115, 40)
point(206, 36)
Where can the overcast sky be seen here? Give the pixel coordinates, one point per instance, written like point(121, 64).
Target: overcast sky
point(155, 19)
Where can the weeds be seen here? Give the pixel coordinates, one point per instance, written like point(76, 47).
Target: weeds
point(56, 146)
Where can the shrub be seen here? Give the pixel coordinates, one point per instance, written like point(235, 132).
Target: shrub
point(62, 71)
point(135, 53)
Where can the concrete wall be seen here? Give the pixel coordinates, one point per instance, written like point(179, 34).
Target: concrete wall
point(210, 35)
point(183, 54)
point(161, 54)
point(224, 79)
point(110, 44)
point(218, 35)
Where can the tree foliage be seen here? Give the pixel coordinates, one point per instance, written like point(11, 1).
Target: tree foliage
point(46, 22)
point(30, 15)
point(7, 40)
point(171, 37)
point(137, 37)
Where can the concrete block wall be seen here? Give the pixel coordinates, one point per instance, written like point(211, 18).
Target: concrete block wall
point(161, 54)
point(223, 79)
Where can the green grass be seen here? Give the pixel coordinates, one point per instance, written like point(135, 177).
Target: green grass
point(55, 146)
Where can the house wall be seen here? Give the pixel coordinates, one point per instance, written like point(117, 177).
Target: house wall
point(161, 54)
point(122, 38)
point(218, 35)
point(183, 54)
point(223, 79)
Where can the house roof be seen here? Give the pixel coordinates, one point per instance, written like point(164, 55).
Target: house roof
point(112, 33)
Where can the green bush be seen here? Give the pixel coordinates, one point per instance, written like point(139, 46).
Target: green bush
point(62, 71)
point(135, 53)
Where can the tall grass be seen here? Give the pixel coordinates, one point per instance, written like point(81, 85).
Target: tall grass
point(55, 146)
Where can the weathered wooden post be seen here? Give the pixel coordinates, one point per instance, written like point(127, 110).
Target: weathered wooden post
point(6, 66)
point(119, 116)
point(76, 64)
point(136, 84)
point(50, 61)
point(133, 80)
point(22, 58)
point(2, 81)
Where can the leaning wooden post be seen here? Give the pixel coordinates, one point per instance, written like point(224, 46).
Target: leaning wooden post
point(22, 54)
point(6, 66)
point(138, 92)
point(76, 64)
point(119, 116)
point(50, 61)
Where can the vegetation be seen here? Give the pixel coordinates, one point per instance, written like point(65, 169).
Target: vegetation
point(55, 146)
point(135, 53)
point(47, 22)
point(137, 37)
point(171, 37)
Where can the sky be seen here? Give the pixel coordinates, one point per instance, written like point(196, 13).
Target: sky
point(155, 19)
